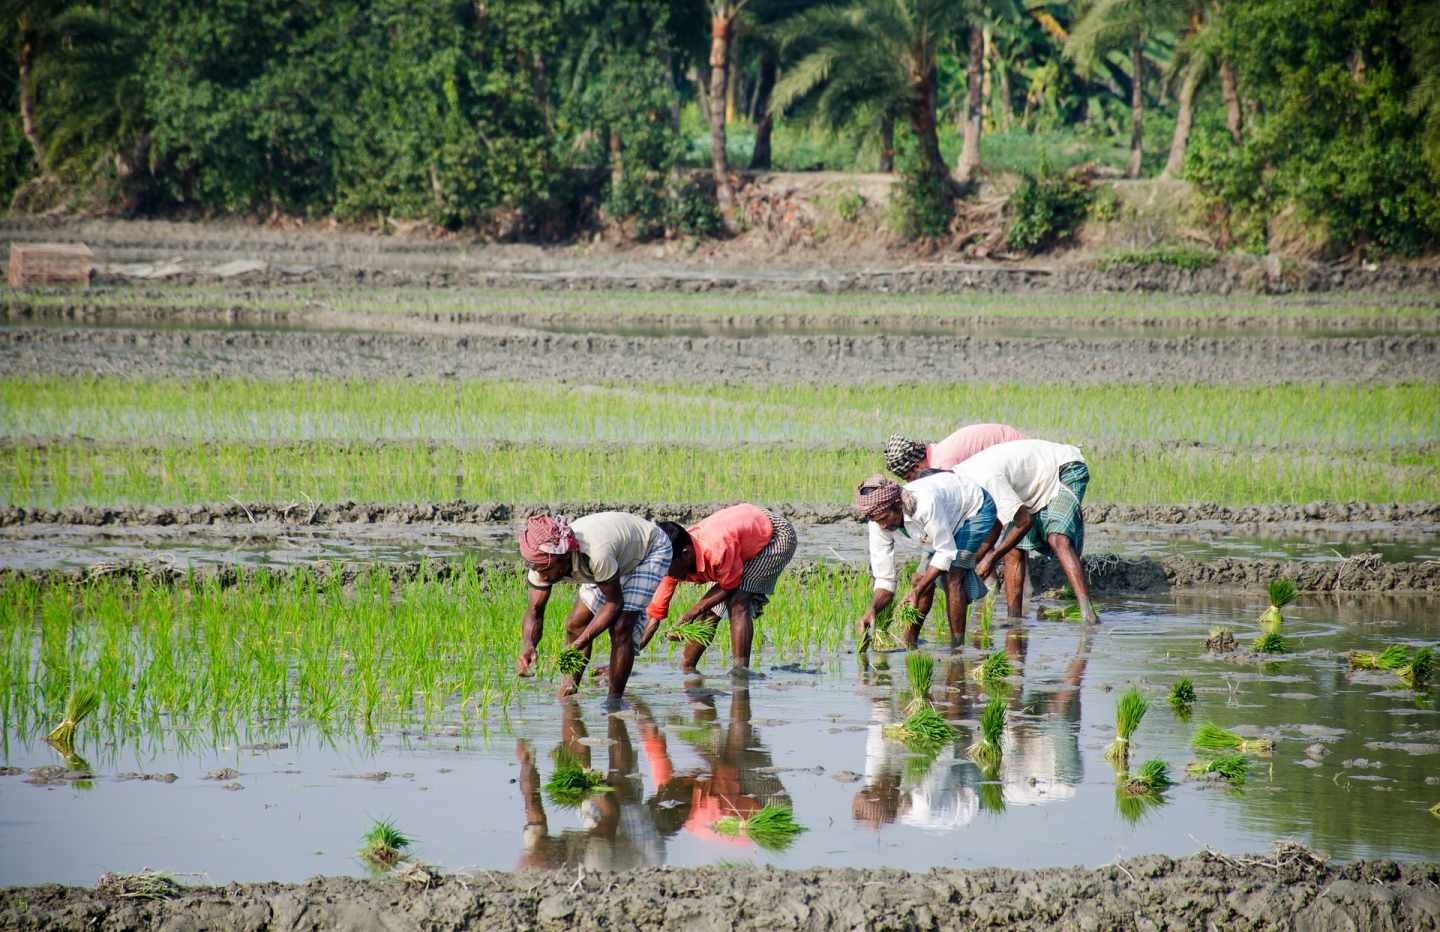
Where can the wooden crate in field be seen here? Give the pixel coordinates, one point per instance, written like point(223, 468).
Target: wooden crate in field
point(49, 263)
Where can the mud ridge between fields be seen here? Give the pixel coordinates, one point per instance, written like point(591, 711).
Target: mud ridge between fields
point(1290, 887)
point(1106, 573)
point(466, 512)
point(19, 313)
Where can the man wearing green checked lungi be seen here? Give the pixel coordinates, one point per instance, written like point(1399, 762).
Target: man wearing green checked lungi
point(1038, 488)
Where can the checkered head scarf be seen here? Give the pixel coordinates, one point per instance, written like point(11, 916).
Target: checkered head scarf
point(545, 538)
point(902, 454)
point(877, 495)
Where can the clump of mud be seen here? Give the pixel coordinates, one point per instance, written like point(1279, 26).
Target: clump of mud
point(1291, 885)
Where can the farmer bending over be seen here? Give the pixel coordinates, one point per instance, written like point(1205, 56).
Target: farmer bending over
point(1038, 487)
point(618, 560)
point(942, 510)
point(908, 458)
point(741, 550)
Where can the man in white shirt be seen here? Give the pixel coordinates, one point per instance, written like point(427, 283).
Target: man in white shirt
point(942, 510)
point(1038, 488)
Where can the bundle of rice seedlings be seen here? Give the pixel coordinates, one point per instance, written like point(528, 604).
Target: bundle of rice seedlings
point(1128, 713)
point(1069, 612)
point(146, 885)
point(925, 730)
point(920, 671)
point(384, 844)
point(991, 794)
point(1152, 777)
point(995, 667)
point(986, 749)
point(908, 615)
point(1417, 671)
point(1182, 695)
point(879, 635)
point(1232, 767)
point(1135, 806)
point(1282, 593)
point(1269, 643)
point(572, 662)
point(773, 827)
point(1221, 640)
point(1391, 658)
point(571, 783)
point(81, 702)
point(701, 632)
point(1212, 739)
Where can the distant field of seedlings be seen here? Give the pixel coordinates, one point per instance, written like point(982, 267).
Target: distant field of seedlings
point(78, 472)
point(741, 304)
point(301, 649)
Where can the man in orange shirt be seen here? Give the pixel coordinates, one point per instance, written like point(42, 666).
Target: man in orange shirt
point(741, 551)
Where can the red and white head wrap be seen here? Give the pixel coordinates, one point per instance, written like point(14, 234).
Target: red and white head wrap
point(544, 538)
point(877, 495)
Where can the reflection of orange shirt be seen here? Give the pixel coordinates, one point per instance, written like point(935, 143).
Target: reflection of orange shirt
point(723, 542)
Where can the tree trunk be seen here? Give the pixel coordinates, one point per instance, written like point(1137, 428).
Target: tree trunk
point(27, 105)
point(922, 124)
point(721, 26)
point(1232, 100)
point(1007, 115)
point(1175, 165)
point(970, 152)
point(1137, 108)
point(887, 144)
point(732, 79)
point(760, 158)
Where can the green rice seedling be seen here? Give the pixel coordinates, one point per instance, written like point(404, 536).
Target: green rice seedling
point(1270, 643)
point(570, 783)
point(1212, 739)
point(1069, 612)
point(986, 750)
point(773, 827)
point(384, 844)
point(1135, 806)
point(1391, 658)
point(1282, 593)
point(994, 668)
point(1417, 672)
point(987, 617)
point(1128, 713)
point(908, 615)
point(991, 794)
point(1182, 695)
point(924, 731)
point(572, 662)
point(1151, 777)
point(700, 632)
point(1221, 640)
point(920, 672)
point(81, 702)
point(1234, 768)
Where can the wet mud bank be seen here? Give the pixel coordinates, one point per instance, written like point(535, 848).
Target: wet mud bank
point(1313, 514)
point(1290, 887)
point(1107, 573)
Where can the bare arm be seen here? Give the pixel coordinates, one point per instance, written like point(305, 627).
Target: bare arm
point(1018, 527)
point(709, 600)
point(614, 603)
point(532, 628)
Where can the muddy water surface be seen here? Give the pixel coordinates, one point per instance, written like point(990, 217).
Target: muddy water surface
point(1353, 772)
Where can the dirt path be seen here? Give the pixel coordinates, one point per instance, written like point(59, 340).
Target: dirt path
point(757, 360)
point(1291, 888)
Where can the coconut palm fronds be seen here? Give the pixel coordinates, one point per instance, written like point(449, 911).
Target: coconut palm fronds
point(1212, 739)
point(79, 705)
point(1128, 713)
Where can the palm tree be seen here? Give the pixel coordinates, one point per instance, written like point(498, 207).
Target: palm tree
point(1423, 38)
point(985, 15)
point(1196, 59)
point(723, 15)
point(867, 65)
point(1116, 25)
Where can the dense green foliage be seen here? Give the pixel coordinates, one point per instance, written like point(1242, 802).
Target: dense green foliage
point(1047, 208)
point(1312, 120)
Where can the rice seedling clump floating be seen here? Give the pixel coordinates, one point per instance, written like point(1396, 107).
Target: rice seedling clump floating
point(1128, 713)
point(1221, 640)
point(1151, 777)
point(1417, 671)
point(924, 729)
point(1182, 695)
point(384, 844)
point(773, 827)
point(920, 673)
point(1212, 739)
point(986, 749)
point(995, 667)
point(572, 662)
point(146, 885)
point(570, 783)
point(1282, 593)
point(79, 705)
point(1391, 658)
point(1270, 643)
point(1233, 768)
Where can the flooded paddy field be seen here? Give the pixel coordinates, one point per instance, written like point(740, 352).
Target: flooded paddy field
point(283, 796)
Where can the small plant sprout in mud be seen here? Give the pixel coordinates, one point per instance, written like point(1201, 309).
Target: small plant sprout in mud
point(1221, 640)
point(1151, 777)
point(995, 668)
point(1182, 695)
point(986, 750)
point(773, 827)
point(570, 783)
point(1128, 713)
point(80, 704)
point(572, 662)
point(1233, 768)
point(1212, 739)
point(1391, 658)
point(699, 632)
point(1282, 593)
point(384, 845)
point(1270, 643)
point(1417, 672)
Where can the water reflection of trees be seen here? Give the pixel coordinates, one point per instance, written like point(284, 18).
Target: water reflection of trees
point(625, 827)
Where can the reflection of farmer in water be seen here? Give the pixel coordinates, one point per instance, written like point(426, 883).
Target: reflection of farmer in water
point(623, 828)
point(1042, 761)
